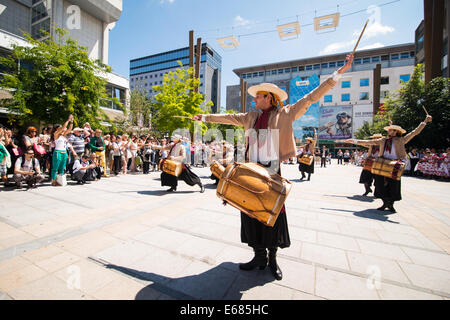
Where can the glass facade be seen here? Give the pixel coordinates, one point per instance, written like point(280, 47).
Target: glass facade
point(328, 98)
point(364, 82)
point(346, 84)
point(364, 96)
point(404, 77)
point(345, 97)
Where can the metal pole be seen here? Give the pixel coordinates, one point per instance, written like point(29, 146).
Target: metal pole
point(376, 89)
point(197, 60)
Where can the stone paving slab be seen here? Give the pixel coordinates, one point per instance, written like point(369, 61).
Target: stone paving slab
point(131, 240)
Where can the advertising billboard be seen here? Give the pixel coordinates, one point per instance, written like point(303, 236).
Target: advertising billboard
point(361, 113)
point(335, 122)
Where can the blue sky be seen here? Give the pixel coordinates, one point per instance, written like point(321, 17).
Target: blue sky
point(150, 26)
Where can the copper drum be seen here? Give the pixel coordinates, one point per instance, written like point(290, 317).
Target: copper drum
point(171, 167)
point(255, 190)
point(217, 169)
point(392, 169)
point(306, 159)
point(368, 163)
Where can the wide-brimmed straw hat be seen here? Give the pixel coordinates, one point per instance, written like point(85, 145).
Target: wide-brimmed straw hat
point(309, 138)
point(77, 129)
point(269, 87)
point(377, 136)
point(176, 137)
point(395, 127)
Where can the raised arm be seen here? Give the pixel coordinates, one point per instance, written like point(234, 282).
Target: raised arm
point(418, 130)
point(237, 119)
point(62, 130)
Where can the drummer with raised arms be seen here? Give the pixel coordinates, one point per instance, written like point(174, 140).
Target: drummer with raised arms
point(391, 147)
point(177, 152)
point(274, 121)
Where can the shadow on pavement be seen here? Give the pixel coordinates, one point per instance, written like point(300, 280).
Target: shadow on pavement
point(161, 192)
point(354, 197)
point(369, 214)
point(220, 282)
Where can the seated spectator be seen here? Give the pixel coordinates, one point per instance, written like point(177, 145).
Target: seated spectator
point(27, 169)
point(83, 170)
point(97, 168)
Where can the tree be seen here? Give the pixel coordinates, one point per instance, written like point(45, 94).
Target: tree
point(51, 80)
point(405, 108)
point(238, 133)
point(176, 97)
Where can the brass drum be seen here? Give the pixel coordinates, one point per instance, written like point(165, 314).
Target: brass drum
point(368, 163)
point(392, 169)
point(217, 169)
point(255, 190)
point(306, 159)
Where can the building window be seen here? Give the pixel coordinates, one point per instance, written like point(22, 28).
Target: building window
point(301, 68)
point(324, 65)
point(346, 84)
point(375, 59)
point(404, 55)
point(364, 96)
point(366, 60)
point(287, 70)
point(294, 69)
point(261, 74)
point(280, 71)
point(340, 63)
point(404, 78)
point(364, 82)
point(384, 80)
point(384, 94)
point(274, 71)
point(328, 98)
point(267, 73)
point(254, 74)
point(309, 67)
point(357, 61)
point(316, 66)
point(345, 97)
point(332, 65)
point(385, 57)
point(394, 56)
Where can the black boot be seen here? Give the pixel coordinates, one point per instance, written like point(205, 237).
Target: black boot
point(368, 190)
point(202, 188)
point(309, 176)
point(259, 260)
point(384, 206)
point(274, 268)
point(303, 176)
point(391, 207)
point(173, 189)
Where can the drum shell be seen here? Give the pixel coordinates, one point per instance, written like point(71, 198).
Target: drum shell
point(306, 159)
point(392, 169)
point(254, 190)
point(217, 169)
point(171, 167)
point(368, 163)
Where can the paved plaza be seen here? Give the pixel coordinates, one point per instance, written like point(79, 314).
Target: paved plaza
point(125, 238)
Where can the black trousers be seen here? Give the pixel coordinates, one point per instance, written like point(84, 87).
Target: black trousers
point(323, 162)
point(117, 164)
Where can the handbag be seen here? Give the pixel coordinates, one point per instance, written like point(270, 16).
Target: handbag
point(17, 152)
point(39, 149)
point(61, 180)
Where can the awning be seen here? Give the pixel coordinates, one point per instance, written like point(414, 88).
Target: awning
point(5, 94)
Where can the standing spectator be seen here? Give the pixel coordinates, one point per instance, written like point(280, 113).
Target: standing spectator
point(97, 146)
point(132, 147)
point(28, 139)
point(107, 140)
point(340, 156)
point(117, 153)
point(27, 169)
point(5, 158)
point(44, 140)
point(124, 149)
point(60, 152)
point(76, 140)
point(110, 158)
point(323, 157)
point(346, 157)
point(413, 158)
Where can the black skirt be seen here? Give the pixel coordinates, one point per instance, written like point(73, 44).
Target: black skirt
point(305, 168)
point(386, 188)
point(366, 177)
point(258, 235)
point(186, 175)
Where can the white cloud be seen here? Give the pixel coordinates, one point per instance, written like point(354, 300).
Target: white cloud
point(337, 47)
point(164, 1)
point(372, 46)
point(374, 29)
point(240, 22)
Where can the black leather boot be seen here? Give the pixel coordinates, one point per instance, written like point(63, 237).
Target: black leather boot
point(259, 260)
point(384, 206)
point(309, 176)
point(391, 207)
point(273, 266)
point(368, 189)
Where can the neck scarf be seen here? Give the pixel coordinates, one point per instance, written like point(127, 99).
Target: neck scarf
point(388, 145)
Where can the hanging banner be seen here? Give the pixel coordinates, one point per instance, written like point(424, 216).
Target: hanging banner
point(335, 122)
point(361, 113)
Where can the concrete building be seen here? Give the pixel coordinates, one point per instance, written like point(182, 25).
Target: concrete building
point(353, 94)
point(149, 71)
point(87, 21)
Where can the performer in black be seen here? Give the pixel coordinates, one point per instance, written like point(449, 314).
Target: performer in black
point(177, 152)
point(309, 148)
point(268, 98)
point(391, 147)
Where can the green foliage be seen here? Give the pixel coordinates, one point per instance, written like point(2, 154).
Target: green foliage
point(405, 108)
point(51, 80)
point(176, 97)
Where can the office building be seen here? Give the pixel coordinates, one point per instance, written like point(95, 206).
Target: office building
point(149, 71)
point(87, 21)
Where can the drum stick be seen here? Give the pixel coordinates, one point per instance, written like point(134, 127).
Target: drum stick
point(425, 110)
point(360, 36)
